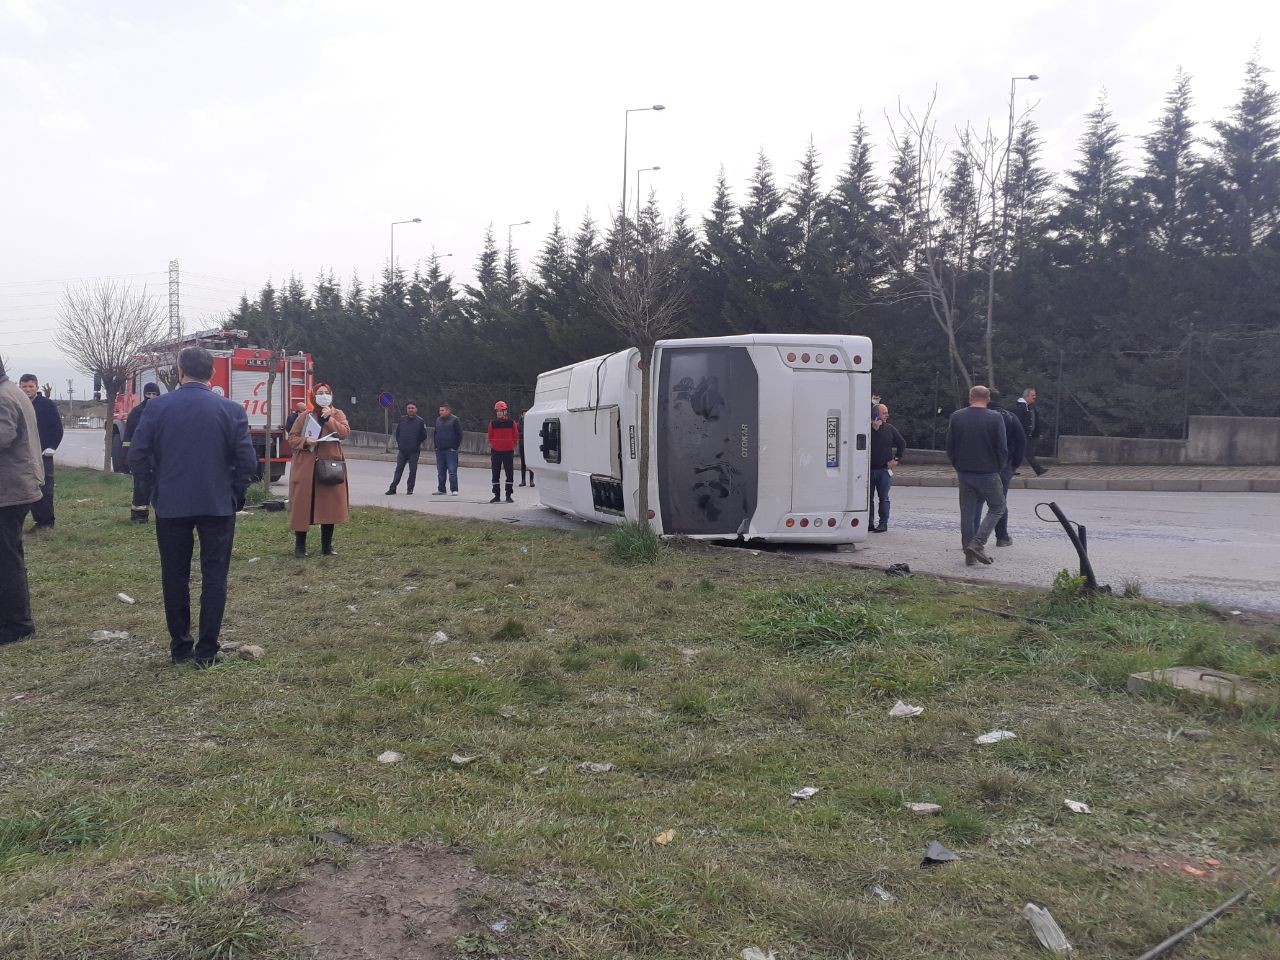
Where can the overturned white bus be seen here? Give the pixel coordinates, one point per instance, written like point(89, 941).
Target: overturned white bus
point(753, 437)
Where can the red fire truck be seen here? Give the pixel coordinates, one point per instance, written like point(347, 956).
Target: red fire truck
point(240, 373)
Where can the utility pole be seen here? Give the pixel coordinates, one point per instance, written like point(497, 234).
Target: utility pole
point(175, 317)
point(71, 403)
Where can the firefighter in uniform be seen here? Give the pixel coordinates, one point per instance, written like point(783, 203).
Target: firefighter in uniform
point(140, 513)
point(504, 437)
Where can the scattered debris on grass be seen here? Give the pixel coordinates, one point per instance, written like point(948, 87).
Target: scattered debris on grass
point(390, 756)
point(1200, 681)
point(901, 709)
point(254, 559)
point(100, 635)
point(591, 766)
point(1075, 806)
point(125, 598)
point(1191, 871)
point(928, 809)
point(540, 771)
point(664, 838)
point(251, 651)
point(336, 837)
point(1046, 929)
point(755, 953)
point(353, 608)
point(898, 570)
point(881, 894)
point(500, 926)
point(460, 760)
point(995, 736)
point(804, 793)
point(937, 854)
point(438, 638)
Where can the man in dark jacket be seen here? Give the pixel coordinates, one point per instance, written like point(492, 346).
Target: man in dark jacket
point(21, 477)
point(49, 424)
point(141, 494)
point(504, 437)
point(1017, 441)
point(448, 439)
point(1025, 411)
point(978, 450)
point(193, 450)
point(887, 448)
point(411, 434)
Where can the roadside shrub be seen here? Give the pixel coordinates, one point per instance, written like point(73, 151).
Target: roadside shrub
point(634, 543)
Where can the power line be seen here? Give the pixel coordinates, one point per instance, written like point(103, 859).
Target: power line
point(118, 276)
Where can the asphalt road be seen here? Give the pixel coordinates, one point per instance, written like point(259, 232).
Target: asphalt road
point(1220, 547)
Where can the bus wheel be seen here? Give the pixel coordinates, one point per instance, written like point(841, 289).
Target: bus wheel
point(119, 460)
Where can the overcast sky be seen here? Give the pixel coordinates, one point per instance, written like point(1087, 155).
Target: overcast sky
point(253, 140)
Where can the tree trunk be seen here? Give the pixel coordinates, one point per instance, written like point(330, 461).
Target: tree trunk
point(642, 499)
point(109, 424)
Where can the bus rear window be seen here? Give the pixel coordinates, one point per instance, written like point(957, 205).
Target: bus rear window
point(550, 435)
point(707, 439)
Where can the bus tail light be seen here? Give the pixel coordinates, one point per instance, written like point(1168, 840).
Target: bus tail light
point(831, 521)
point(791, 521)
point(791, 358)
point(834, 358)
point(804, 358)
point(804, 521)
point(853, 522)
point(857, 358)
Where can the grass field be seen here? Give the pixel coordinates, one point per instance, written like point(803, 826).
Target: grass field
point(148, 810)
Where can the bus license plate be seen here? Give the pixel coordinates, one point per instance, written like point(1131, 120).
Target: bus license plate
point(833, 441)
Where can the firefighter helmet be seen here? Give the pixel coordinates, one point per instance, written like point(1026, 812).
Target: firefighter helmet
point(500, 405)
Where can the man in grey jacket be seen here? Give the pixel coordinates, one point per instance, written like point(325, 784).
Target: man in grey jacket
point(21, 479)
point(979, 450)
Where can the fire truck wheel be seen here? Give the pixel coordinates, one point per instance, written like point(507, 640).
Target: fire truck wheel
point(119, 461)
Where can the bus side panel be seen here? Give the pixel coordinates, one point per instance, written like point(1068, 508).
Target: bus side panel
point(707, 433)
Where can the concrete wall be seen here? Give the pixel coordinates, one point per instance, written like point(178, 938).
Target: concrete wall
point(1120, 450)
point(472, 441)
point(1233, 441)
point(1216, 441)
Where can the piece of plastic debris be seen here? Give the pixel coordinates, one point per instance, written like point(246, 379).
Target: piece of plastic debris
point(462, 761)
point(540, 771)
point(390, 756)
point(925, 808)
point(665, 837)
point(900, 709)
point(755, 953)
point(409, 587)
point(1235, 613)
point(254, 559)
point(1192, 871)
point(18, 696)
point(500, 926)
point(591, 766)
point(549, 631)
point(99, 635)
point(938, 854)
point(353, 608)
point(995, 736)
point(330, 836)
point(1211, 862)
point(898, 570)
point(881, 894)
point(230, 646)
point(1046, 929)
point(524, 549)
point(125, 598)
point(1197, 734)
point(474, 659)
point(251, 651)
point(804, 793)
point(439, 637)
point(1075, 806)
point(510, 586)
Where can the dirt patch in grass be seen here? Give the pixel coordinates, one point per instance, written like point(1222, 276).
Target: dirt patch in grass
point(405, 902)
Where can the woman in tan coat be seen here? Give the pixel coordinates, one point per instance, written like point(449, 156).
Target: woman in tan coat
point(309, 501)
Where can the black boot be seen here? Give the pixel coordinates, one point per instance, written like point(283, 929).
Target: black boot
point(139, 515)
point(497, 496)
point(509, 492)
point(326, 539)
point(299, 544)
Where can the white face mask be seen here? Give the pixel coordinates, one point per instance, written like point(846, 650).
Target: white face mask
point(324, 399)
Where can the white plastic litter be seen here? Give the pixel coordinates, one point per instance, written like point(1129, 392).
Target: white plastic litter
point(881, 894)
point(462, 761)
point(901, 709)
point(353, 608)
point(925, 808)
point(390, 756)
point(1075, 806)
point(755, 953)
point(125, 598)
point(1046, 929)
point(804, 793)
point(439, 637)
point(99, 635)
point(254, 559)
point(592, 766)
point(995, 736)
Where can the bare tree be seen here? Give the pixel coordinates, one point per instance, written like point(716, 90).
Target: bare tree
point(643, 296)
point(102, 329)
point(927, 258)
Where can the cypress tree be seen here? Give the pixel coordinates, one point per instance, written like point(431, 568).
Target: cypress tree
point(1246, 164)
point(1091, 217)
point(1169, 184)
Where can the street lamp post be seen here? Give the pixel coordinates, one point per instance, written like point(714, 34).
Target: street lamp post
point(626, 120)
point(393, 239)
point(522, 223)
point(638, 172)
point(1008, 158)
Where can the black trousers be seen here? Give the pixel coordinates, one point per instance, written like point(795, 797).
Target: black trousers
point(500, 460)
point(15, 598)
point(42, 509)
point(411, 458)
point(175, 537)
point(141, 493)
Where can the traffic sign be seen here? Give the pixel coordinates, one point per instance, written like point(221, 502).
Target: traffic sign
point(385, 399)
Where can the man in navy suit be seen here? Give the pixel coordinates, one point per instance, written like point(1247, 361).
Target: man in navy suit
point(192, 450)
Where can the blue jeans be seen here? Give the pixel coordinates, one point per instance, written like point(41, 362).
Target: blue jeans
point(447, 466)
point(880, 484)
point(975, 490)
point(1002, 525)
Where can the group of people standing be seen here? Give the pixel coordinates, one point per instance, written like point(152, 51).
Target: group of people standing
point(505, 437)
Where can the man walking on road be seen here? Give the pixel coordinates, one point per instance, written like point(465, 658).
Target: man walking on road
point(49, 425)
point(193, 451)
point(411, 434)
point(978, 451)
point(1025, 411)
point(448, 439)
point(1017, 442)
point(504, 437)
point(21, 479)
point(887, 448)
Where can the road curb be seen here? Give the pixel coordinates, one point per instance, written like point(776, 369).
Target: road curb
point(1114, 484)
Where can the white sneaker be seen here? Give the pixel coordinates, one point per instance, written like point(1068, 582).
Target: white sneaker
point(454, 494)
